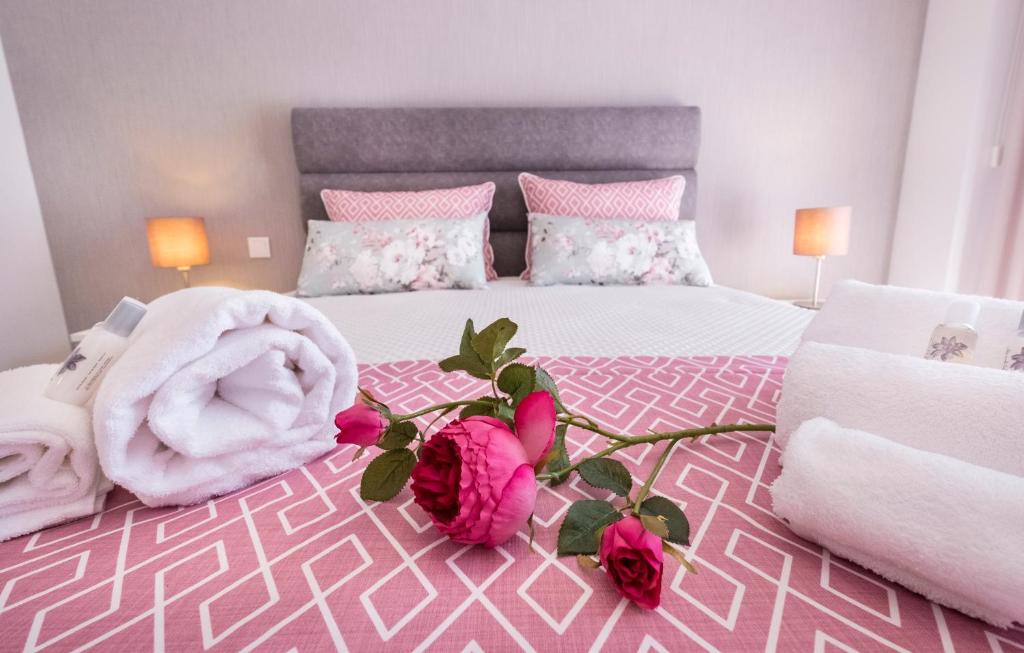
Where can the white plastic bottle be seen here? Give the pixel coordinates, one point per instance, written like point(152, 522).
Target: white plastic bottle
point(79, 376)
point(1014, 358)
point(955, 340)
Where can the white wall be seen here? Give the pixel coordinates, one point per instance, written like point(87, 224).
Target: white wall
point(147, 107)
point(32, 328)
point(950, 226)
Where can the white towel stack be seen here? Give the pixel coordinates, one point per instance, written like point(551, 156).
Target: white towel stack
point(912, 467)
point(972, 413)
point(950, 530)
point(221, 388)
point(49, 472)
point(900, 320)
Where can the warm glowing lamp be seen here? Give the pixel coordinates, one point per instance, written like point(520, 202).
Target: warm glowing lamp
point(819, 233)
point(177, 243)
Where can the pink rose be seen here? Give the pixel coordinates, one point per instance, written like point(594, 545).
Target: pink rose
point(633, 557)
point(360, 425)
point(475, 477)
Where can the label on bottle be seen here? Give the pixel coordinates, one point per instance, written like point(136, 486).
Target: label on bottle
point(72, 362)
point(78, 378)
point(95, 373)
point(1014, 359)
point(952, 345)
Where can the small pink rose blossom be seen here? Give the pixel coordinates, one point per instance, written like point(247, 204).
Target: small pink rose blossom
point(634, 560)
point(361, 425)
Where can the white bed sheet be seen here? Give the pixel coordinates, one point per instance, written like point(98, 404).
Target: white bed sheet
point(569, 321)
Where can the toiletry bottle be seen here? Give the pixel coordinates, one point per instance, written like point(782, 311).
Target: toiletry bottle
point(955, 340)
point(1014, 358)
point(79, 377)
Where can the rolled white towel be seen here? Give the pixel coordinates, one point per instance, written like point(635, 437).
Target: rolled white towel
point(49, 472)
point(900, 320)
point(218, 389)
point(939, 526)
point(971, 413)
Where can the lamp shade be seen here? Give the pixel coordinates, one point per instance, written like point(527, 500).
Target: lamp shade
point(822, 231)
point(177, 242)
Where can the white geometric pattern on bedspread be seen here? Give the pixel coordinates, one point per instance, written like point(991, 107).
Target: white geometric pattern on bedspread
point(299, 562)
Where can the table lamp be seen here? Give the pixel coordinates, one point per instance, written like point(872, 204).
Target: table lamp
point(819, 233)
point(177, 243)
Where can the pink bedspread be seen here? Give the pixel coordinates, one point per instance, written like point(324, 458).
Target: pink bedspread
point(299, 562)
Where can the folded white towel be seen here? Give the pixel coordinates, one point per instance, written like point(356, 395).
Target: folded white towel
point(221, 388)
point(971, 413)
point(939, 526)
point(49, 473)
point(901, 320)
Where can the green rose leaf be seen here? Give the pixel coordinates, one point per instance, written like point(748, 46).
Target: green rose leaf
point(466, 346)
point(467, 359)
point(607, 474)
point(655, 525)
point(675, 520)
point(489, 343)
point(493, 407)
point(510, 355)
point(505, 413)
point(560, 460)
point(386, 475)
point(543, 381)
point(578, 534)
point(475, 409)
point(398, 436)
point(469, 364)
point(516, 381)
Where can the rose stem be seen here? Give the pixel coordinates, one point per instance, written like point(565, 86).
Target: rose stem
point(450, 404)
point(662, 459)
point(657, 437)
point(624, 441)
point(423, 434)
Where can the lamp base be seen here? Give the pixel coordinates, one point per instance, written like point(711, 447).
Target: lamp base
point(184, 274)
point(809, 305)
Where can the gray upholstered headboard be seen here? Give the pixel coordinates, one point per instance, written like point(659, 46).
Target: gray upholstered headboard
point(416, 149)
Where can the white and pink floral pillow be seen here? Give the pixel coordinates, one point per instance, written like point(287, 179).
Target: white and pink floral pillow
point(655, 200)
point(345, 258)
point(460, 202)
point(604, 251)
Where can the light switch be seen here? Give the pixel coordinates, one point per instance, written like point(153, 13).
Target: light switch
point(259, 247)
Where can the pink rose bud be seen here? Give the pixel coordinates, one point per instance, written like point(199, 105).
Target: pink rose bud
point(361, 425)
point(633, 557)
point(475, 481)
point(535, 425)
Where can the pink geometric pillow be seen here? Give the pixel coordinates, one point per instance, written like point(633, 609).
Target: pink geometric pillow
point(461, 202)
point(653, 199)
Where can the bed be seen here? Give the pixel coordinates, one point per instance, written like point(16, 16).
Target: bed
point(299, 562)
point(413, 149)
point(569, 320)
